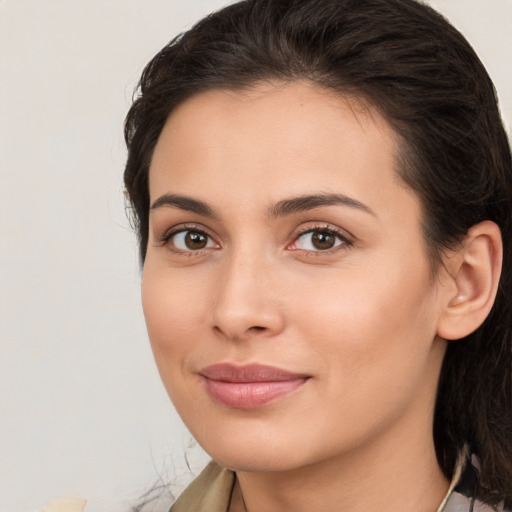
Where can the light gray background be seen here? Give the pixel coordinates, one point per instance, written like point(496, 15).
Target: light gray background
point(82, 411)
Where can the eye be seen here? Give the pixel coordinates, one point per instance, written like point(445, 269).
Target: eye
point(188, 240)
point(319, 239)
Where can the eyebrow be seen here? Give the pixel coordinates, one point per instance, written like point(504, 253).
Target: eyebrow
point(309, 202)
point(185, 203)
point(280, 209)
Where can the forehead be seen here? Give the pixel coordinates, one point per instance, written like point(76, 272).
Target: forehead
point(276, 140)
point(295, 108)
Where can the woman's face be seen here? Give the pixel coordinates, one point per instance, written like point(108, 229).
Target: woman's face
point(287, 293)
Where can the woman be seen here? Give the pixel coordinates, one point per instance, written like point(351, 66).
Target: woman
point(323, 195)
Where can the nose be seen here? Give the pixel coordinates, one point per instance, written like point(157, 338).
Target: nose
point(247, 299)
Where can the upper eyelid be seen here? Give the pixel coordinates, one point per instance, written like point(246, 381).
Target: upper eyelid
point(326, 226)
point(186, 226)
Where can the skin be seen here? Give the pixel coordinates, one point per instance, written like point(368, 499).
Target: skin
point(360, 319)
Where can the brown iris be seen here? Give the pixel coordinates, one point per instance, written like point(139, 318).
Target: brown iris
point(322, 240)
point(195, 241)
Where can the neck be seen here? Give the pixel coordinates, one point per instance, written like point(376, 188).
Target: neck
point(385, 476)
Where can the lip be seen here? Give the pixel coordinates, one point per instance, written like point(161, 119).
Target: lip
point(250, 386)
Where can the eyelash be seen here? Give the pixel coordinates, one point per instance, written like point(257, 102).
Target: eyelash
point(345, 241)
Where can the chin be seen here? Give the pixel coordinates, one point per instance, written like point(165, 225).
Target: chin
point(253, 451)
point(255, 461)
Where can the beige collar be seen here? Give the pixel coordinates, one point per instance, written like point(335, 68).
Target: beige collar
point(209, 492)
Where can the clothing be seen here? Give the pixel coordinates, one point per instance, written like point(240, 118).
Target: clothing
point(211, 490)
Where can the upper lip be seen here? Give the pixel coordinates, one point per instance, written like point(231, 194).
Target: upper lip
point(228, 372)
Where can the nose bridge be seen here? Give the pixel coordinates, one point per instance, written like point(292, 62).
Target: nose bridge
point(245, 302)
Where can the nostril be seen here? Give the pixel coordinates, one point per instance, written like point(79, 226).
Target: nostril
point(257, 328)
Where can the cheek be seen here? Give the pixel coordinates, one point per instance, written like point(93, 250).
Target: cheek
point(373, 323)
point(374, 347)
point(173, 312)
point(365, 301)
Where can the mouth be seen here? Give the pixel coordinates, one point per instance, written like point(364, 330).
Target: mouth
point(251, 386)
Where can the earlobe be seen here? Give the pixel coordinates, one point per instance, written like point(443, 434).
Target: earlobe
point(475, 272)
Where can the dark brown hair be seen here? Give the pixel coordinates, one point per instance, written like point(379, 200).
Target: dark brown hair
point(408, 61)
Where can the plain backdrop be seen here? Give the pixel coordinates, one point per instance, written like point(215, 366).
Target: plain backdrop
point(82, 410)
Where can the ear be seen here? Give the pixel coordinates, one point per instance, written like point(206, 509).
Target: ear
point(474, 272)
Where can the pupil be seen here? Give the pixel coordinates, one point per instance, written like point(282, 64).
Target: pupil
point(195, 240)
point(323, 240)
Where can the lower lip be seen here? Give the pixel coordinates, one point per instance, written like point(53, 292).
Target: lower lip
point(251, 395)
